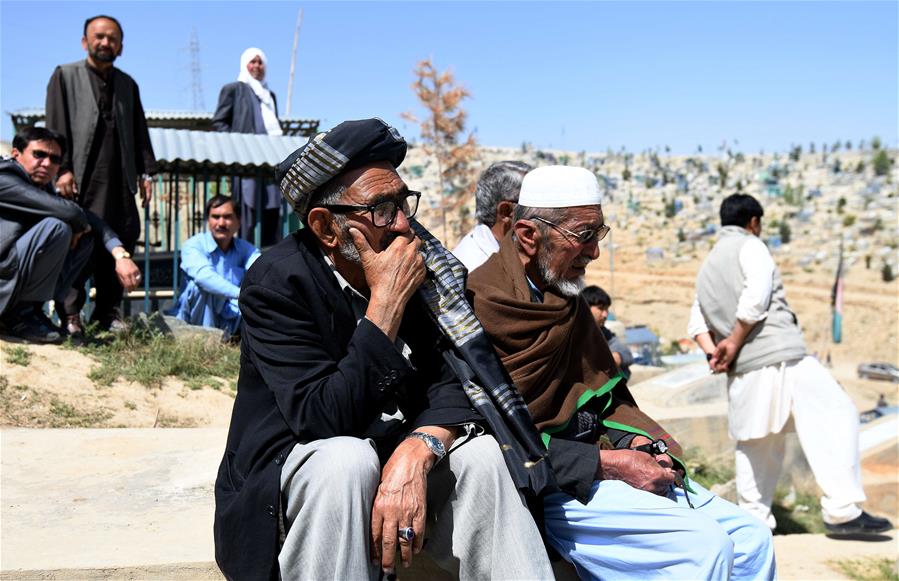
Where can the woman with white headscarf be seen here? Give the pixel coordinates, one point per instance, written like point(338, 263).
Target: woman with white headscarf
point(248, 106)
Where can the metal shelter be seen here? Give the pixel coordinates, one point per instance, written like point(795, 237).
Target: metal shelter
point(193, 166)
point(191, 120)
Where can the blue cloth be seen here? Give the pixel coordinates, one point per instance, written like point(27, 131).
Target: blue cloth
point(212, 281)
point(626, 533)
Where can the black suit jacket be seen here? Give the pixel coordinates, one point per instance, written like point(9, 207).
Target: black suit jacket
point(307, 372)
point(237, 109)
point(22, 205)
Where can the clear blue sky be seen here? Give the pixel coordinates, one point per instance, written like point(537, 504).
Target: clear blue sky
point(580, 76)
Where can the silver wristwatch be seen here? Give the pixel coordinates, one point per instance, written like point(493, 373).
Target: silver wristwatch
point(433, 443)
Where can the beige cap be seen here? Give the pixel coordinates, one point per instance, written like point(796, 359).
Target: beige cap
point(559, 186)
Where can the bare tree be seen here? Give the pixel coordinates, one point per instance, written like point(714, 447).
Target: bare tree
point(441, 132)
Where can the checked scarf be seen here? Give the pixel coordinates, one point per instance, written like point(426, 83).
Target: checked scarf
point(477, 366)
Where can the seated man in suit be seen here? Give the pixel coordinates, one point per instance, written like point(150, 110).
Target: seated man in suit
point(214, 263)
point(351, 435)
point(625, 509)
point(43, 244)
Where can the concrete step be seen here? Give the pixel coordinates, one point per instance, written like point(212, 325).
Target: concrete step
point(138, 504)
point(102, 499)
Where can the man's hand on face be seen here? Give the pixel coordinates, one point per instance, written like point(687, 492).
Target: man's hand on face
point(392, 276)
point(401, 502)
point(65, 183)
point(638, 469)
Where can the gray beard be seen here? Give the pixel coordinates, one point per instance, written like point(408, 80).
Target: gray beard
point(349, 251)
point(564, 286)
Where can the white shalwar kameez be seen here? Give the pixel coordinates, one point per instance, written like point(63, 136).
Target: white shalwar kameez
point(763, 400)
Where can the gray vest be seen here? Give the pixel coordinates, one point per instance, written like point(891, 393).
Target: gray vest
point(774, 339)
point(83, 114)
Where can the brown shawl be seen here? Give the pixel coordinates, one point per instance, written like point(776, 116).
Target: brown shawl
point(553, 350)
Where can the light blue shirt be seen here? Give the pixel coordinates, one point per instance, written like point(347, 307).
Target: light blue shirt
point(212, 281)
point(216, 272)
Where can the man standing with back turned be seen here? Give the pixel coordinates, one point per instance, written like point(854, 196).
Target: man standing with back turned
point(741, 319)
point(97, 108)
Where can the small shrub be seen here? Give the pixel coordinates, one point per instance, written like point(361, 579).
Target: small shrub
point(147, 356)
point(800, 515)
point(886, 273)
point(881, 163)
point(785, 232)
point(708, 471)
point(869, 569)
point(18, 355)
point(65, 415)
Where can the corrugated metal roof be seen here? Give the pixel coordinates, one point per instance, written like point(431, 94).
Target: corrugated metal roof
point(150, 114)
point(235, 150)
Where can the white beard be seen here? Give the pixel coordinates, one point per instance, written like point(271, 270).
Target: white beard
point(565, 287)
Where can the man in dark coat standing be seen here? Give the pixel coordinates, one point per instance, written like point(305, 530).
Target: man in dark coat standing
point(351, 436)
point(97, 108)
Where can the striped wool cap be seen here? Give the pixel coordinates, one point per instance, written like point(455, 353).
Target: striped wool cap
point(347, 146)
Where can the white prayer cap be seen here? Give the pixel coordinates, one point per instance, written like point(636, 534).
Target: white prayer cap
point(559, 186)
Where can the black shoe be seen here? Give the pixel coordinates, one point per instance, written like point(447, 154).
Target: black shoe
point(32, 329)
point(863, 524)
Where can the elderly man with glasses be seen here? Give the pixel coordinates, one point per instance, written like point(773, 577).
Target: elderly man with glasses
point(625, 509)
point(352, 436)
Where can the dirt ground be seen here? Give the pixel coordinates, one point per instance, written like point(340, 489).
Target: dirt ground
point(53, 390)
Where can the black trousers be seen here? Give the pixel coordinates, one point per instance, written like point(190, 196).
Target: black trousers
point(101, 269)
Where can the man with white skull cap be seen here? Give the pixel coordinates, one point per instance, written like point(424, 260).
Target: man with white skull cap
point(626, 507)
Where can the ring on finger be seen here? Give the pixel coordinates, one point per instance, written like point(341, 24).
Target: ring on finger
point(406, 534)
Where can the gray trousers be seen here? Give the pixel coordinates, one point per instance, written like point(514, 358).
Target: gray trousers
point(41, 252)
point(478, 525)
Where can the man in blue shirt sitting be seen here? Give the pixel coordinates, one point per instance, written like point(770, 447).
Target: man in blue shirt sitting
point(214, 263)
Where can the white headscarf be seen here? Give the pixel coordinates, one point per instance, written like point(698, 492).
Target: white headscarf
point(269, 117)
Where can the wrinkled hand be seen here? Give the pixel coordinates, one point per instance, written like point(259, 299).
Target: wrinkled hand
point(637, 469)
point(400, 502)
point(128, 273)
point(664, 460)
point(146, 192)
point(724, 354)
point(392, 276)
point(65, 183)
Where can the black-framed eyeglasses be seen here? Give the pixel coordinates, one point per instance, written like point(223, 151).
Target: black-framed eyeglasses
point(41, 154)
point(383, 214)
point(585, 237)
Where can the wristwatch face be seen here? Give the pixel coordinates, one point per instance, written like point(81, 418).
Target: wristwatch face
point(433, 443)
